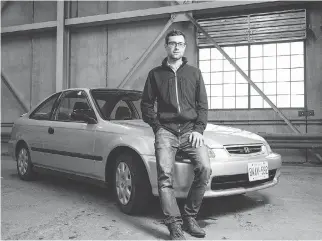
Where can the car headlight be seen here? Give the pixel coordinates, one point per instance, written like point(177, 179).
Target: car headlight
point(266, 149)
point(211, 153)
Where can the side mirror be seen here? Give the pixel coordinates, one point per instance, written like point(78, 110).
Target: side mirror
point(83, 115)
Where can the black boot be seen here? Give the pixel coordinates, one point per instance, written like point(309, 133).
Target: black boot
point(191, 226)
point(176, 232)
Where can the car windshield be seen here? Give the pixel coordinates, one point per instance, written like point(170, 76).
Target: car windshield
point(118, 105)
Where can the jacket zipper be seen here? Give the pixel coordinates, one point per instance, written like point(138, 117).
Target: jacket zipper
point(176, 80)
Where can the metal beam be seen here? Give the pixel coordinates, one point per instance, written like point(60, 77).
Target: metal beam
point(147, 51)
point(32, 27)
point(14, 91)
point(152, 13)
point(60, 46)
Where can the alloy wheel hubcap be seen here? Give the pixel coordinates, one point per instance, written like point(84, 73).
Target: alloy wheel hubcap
point(123, 183)
point(23, 161)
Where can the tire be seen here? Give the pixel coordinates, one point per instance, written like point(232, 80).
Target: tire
point(131, 184)
point(24, 164)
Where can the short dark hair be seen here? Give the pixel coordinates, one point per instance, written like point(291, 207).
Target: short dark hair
point(174, 32)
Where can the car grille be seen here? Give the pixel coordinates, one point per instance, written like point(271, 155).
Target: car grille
point(239, 180)
point(250, 149)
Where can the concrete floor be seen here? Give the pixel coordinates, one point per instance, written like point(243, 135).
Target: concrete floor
point(56, 208)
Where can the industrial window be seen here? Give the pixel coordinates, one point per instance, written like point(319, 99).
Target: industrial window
point(268, 47)
point(276, 68)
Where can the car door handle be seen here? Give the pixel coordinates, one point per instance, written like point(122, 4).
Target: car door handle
point(51, 130)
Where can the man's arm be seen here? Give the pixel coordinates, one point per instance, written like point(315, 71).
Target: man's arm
point(147, 104)
point(202, 106)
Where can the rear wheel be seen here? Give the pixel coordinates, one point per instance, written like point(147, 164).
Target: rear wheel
point(131, 184)
point(24, 165)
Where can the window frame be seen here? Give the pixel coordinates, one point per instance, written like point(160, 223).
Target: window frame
point(53, 108)
point(249, 72)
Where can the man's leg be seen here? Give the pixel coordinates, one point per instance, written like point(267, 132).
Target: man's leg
point(202, 171)
point(165, 149)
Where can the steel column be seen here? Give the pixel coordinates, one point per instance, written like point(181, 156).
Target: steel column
point(60, 46)
point(145, 54)
point(15, 93)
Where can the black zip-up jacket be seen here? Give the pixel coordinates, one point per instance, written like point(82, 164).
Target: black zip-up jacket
point(181, 98)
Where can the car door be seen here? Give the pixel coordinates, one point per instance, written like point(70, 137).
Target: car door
point(36, 128)
point(71, 143)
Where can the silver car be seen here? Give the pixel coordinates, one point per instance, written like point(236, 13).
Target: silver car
point(99, 134)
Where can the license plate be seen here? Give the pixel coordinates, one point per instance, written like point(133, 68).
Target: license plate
point(257, 171)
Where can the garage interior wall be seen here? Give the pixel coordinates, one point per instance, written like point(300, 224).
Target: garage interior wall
point(102, 56)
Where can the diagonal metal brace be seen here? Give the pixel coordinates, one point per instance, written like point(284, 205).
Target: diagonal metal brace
point(145, 54)
point(14, 92)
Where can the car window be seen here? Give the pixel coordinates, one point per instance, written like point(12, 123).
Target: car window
point(71, 101)
point(44, 111)
point(121, 111)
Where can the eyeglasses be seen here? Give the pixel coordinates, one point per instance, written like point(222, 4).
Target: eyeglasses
point(175, 44)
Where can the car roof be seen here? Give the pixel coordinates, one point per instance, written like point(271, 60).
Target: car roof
point(112, 90)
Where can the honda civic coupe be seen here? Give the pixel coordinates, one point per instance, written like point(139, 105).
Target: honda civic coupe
point(98, 134)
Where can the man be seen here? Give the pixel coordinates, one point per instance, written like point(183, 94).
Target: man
point(178, 124)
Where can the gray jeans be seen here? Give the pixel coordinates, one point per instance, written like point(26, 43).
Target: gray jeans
point(166, 146)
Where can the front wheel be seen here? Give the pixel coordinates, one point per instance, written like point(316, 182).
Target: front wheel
point(24, 165)
point(131, 184)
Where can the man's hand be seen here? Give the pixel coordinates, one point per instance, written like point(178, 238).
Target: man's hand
point(196, 139)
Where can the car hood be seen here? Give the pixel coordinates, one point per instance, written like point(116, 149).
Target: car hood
point(216, 136)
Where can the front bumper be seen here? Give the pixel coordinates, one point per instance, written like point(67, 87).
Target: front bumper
point(11, 149)
point(183, 175)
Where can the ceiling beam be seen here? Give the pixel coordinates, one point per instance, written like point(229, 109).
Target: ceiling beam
point(32, 27)
point(152, 13)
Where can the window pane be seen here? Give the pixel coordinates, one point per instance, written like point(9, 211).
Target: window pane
point(216, 102)
point(297, 74)
point(242, 102)
point(229, 102)
point(283, 49)
point(297, 88)
point(204, 54)
point(283, 75)
point(283, 62)
point(216, 78)
point(256, 50)
point(270, 88)
point(297, 100)
point(229, 90)
point(269, 63)
point(256, 63)
point(297, 61)
point(216, 65)
point(297, 48)
point(242, 89)
point(269, 49)
point(241, 51)
point(216, 90)
point(284, 88)
point(228, 66)
point(206, 78)
point(208, 89)
point(269, 75)
point(253, 91)
point(283, 101)
point(271, 98)
point(215, 54)
point(243, 64)
point(230, 51)
point(229, 77)
point(240, 78)
point(256, 102)
point(257, 76)
point(204, 66)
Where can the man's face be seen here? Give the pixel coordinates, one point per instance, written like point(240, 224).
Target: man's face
point(175, 47)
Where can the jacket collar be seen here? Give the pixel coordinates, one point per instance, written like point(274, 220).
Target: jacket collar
point(165, 61)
